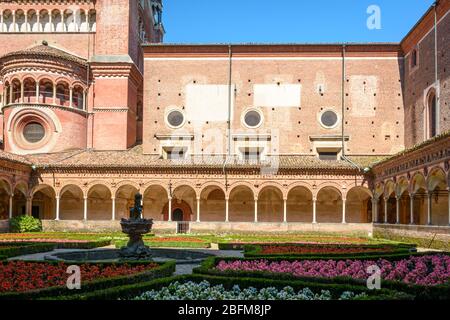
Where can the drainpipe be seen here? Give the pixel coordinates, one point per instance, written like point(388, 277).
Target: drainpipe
point(224, 169)
point(343, 156)
point(436, 69)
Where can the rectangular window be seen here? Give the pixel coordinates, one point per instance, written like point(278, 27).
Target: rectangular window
point(328, 156)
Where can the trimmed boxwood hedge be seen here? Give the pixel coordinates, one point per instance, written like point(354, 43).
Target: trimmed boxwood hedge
point(133, 290)
point(256, 250)
point(165, 269)
point(83, 245)
point(20, 249)
point(439, 292)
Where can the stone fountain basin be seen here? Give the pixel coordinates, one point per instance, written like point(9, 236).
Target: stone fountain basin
point(112, 255)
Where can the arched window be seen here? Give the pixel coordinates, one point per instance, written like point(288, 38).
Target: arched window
point(29, 90)
point(8, 21)
point(70, 21)
point(62, 94)
point(58, 26)
point(33, 25)
point(45, 91)
point(16, 91)
point(84, 24)
point(45, 21)
point(21, 26)
point(92, 20)
point(77, 97)
point(432, 115)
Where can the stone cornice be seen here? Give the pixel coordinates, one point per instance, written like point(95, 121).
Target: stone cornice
point(45, 106)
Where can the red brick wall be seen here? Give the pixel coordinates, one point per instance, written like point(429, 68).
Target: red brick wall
point(418, 81)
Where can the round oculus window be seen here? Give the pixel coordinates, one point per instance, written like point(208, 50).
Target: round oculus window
point(175, 118)
point(33, 132)
point(252, 119)
point(329, 118)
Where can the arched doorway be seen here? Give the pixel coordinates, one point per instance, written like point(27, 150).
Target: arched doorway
point(329, 205)
point(242, 204)
point(358, 205)
point(181, 211)
point(300, 205)
point(270, 205)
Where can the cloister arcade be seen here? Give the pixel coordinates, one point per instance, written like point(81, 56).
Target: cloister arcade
point(29, 90)
point(242, 202)
point(56, 20)
point(415, 200)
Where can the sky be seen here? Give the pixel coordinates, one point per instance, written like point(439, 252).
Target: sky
point(289, 21)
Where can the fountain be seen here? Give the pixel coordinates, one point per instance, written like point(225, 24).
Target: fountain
point(135, 228)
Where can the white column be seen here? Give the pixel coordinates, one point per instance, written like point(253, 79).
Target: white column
point(429, 203)
point(285, 210)
point(374, 210)
point(85, 208)
point(397, 210)
point(170, 209)
point(11, 206)
point(256, 210)
point(344, 220)
point(38, 21)
point(50, 21)
point(227, 217)
point(386, 210)
point(70, 97)
point(113, 205)
point(14, 21)
point(57, 208)
point(411, 209)
point(314, 210)
point(37, 91)
point(198, 209)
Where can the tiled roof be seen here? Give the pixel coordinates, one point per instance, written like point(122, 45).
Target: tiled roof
point(134, 158)
point(443, 136)
point(45, 51)
point(13, 157)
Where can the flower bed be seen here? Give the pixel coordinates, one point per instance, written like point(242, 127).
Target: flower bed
point(323, 250)
point(30, 280)
point(205, 291)
point(427, 270)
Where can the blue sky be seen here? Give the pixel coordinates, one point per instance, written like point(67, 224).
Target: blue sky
point(282, 21)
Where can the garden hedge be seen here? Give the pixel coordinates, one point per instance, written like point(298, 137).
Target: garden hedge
point(19, 249)
point(83, 245)
point(133, 290)
point(165, 269)
point(439, 292)
point(251, 251)
point(3, 258)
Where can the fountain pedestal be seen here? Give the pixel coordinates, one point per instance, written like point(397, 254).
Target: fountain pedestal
point(135, 228)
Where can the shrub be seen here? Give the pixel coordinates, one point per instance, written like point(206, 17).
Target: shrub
point(23, 224)
point(20, 249)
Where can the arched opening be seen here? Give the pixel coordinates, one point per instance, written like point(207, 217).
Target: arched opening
point(29, 90)
point(58, 25)
point(418, 189)
point(33, 24)
point(43, 203)
point(241, 204)
point(44, 19)
point(70, 21)
point(155, 198)
point(380, 209)
point(7, 21)
point(92, 20)
point(212, 204)
point(405, 207)
point(329, 205)
point(99, 206)
point(358, 205)
point(16, 91)
point(21, 26)
point(437, 186)
point(181, 211)
point(63, 94)
point(4, 199)
point(125, 200)
point(300, 205)
point(71, 203)
point(46, 91)
point(84, 24)
point(20, 200)
point(432, 115)
point(183, 198)
point(78, 97)
point(270, 205)
point(7, 97)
